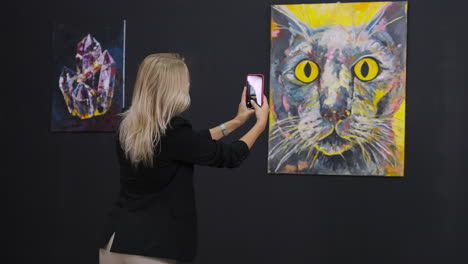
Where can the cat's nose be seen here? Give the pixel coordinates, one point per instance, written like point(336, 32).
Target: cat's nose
point(334, 115)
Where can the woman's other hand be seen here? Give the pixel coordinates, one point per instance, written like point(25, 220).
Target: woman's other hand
point(261, 112)
point(243, 112)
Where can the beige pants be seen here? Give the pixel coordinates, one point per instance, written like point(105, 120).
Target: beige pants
point(107, 257)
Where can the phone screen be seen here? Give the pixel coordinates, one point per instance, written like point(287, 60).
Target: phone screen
point(254, 89)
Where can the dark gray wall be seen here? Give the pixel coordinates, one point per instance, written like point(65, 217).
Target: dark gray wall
point(59, 185)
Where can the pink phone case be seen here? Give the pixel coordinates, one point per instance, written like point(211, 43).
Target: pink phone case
point(248, 92)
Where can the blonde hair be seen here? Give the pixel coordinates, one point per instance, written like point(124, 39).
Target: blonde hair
point(161, 91)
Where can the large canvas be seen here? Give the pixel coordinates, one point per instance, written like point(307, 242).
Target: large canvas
point(88, 80)
point(337, 89)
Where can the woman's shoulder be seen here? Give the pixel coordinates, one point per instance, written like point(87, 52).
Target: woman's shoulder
point(179, 121)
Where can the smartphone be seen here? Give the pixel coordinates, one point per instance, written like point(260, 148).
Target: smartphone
point(255, 89)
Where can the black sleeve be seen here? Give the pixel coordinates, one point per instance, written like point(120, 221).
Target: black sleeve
point(204, 133)
point(197, 147)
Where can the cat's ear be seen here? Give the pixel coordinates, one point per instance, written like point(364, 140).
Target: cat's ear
point(390, 19)
point(286, 22)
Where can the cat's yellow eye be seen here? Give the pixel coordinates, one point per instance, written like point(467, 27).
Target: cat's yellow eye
point(366, 69)
point(306, 71)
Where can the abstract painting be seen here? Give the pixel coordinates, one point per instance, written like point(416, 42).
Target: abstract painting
point(338, 89)
point(88, 81)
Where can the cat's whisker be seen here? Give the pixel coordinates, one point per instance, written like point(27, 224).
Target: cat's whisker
point(390, 118)
point(389, 127)
point(368, 154)
point(376, 125)
point(279, 127)
point(394, 20)
point(294, 144)
point(379, 130)
point(391, 155)
point(341, 155)
point(281, 132)
point(369, 131)
point(311, 149)
point(286, 149)
point(281, 143)
point(374, 154)
point(374, 134)
point(386, 121)
point(277, 135)
point(311, 165)
point(379, 151)
point(365, 135)
point(279, 148)
point(380, 134)
point(286, 156)
point(382, 147)
point(365, 153)
point(274, 130)
point(385, 139)
point(303, 143)
point(284, 127)
point(384, 130)
point(309, 142)
point(385, 136)
point(287, 119)
point(288, 142)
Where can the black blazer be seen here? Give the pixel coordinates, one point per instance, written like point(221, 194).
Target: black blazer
point(155, 212)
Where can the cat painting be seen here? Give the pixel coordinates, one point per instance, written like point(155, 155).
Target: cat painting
point(337, 89)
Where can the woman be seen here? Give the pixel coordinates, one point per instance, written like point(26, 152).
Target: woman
point(154, 219)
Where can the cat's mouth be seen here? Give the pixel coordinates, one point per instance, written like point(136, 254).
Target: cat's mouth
point(333, 144)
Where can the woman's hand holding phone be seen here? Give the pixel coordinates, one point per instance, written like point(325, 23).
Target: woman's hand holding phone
point(243, 112)
point(261, 112)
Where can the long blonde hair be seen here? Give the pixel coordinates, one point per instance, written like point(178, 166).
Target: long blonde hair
point(161, 91)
